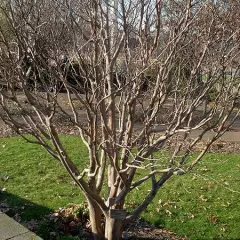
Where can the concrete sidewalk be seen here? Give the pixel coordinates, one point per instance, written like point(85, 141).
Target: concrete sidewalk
point(10, 229)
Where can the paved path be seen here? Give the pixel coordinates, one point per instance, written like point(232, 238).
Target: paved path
point(12, 230)
point(230, 136)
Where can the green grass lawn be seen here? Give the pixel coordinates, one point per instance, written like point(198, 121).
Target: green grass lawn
point(201, 205)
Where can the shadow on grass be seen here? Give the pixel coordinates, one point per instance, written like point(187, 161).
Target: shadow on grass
point(34, 217)
point(25, 209)
point(29, 214)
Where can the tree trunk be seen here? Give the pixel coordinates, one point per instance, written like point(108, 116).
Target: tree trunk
point(113, 229)
point(95, 215)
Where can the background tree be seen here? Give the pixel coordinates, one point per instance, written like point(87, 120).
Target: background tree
point(125, 124)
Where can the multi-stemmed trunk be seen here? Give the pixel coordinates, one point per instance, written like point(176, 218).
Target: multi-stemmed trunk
point(113, 227)
point(95, 215)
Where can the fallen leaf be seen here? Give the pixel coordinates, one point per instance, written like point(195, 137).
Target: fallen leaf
point(223, 228)
point(72, 224)
point(226, 183)
point(5, 178)
point(3, 205)
point(166, 204)
point(31, 225)
point(192, 216)
point(168, 213)
point(202, 198)
point(3, 189)
point(17, 217)
point(53, 234)
point(213, 219)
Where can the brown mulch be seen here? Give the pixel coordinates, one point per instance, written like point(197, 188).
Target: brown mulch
point(70, 219)
point(143, 231)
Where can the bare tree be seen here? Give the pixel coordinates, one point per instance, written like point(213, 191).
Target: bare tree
point(137, 81)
